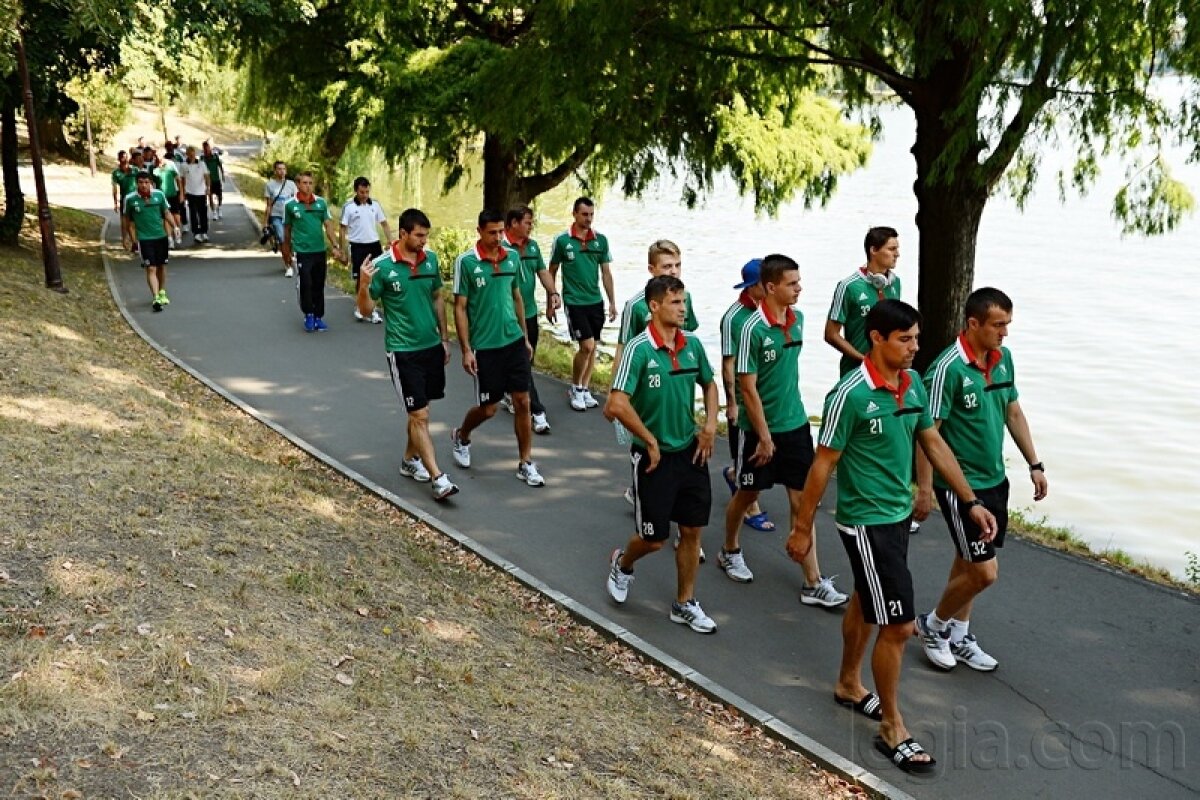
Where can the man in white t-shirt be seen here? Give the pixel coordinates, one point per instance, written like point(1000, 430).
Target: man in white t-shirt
point(194, 174)
point(361, 218)
point(278, 191)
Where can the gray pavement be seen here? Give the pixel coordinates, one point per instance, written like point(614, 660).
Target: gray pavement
point(1098, 692)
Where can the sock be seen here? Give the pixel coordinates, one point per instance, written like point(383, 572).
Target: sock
point(936, 623)
point(732, 552)
point(958, 630)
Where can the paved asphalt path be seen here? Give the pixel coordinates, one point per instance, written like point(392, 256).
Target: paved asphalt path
point(1098, 692)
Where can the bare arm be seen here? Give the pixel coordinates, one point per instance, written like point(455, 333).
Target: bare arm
point(618, 408)
point(1018, 428)
point(550, 315)
point(833, 335)
point(765, 450)
point(947, 466)
point(439, 310)
point(607, 279)
point(331, 235)
point(708, 431)
point(552, 298)
point(799, 542)
point(463, 326)
point(924, 502)
point(727, 379)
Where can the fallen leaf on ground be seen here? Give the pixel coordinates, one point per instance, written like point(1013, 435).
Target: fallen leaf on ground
point(363, 611)
point(337, 662)
point(344, 679)
point(144, 629)
point(228, 633)
point(144, 716)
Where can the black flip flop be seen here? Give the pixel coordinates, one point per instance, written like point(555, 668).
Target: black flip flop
point(869, 706)
point(902, 756)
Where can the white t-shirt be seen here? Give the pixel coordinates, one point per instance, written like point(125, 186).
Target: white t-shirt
point(193, 178)
point(361, 221)
point(286, 189)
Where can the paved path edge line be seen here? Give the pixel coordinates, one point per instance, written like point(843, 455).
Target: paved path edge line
point(812, 749)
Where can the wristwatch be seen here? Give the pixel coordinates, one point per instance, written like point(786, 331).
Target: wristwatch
point(1038, 467)
point(975, 502)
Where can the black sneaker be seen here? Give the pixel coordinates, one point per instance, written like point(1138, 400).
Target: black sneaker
point(157, 306)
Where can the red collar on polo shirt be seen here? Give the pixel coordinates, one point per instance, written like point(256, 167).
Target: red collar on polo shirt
point(878, 382)
point(587, 237)
point(495, 262)
point(993, 358)
point(746, 300)
point(307, 199)
point(518, 246)
point(145, 196)
point(789, 319)
point(878, 291)
point(679, 343)
point(398, 257)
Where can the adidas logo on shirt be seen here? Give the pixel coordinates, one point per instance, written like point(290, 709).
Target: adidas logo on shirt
point(862, 296)
point(478, 270)
point(968, 382)
point(652, 363)
point(872, 407)
point(1003, 370)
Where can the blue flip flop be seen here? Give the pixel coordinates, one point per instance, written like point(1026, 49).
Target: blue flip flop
point(728, 480)
point(759, 522)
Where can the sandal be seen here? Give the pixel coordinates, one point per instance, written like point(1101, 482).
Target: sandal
point(728, 475)
point(759, 522)
point(869, 706)
point(902, 756)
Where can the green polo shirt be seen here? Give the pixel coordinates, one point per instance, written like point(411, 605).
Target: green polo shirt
point(972, 404)
point(531, 264)
point(125, 180)
point(636, 316)
point(213, 162)
point(488, 286)
point(853, 298)
point(874, 432)
point(147, 214)
point(661, 384)
point(770, 350)
point(168, 178)
point(581, 260)
point(307, 221)
point(731, 325)
point(406, 292)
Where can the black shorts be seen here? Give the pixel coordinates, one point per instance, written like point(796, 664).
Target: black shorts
point(879, 559)
point(155, 252)
point(735, 440)
point(678, 490)
point(175, 205)
point(418, 376)
point(214, 188)
point(789, 466)
point(359, 252)
point(585, 322)
point(501, 370)
point(963, 530)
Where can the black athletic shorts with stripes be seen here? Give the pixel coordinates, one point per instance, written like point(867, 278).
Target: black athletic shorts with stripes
point(501, 370)
point(964, 532)
point(879, 559)
point(154, 252)
point(418, 376)
point(585, 322)
point(789, 466)
point(678, 491)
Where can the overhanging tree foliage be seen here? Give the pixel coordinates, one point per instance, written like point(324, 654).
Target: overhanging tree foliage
point(990, 83)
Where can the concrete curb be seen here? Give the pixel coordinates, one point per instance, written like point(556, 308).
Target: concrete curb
point(823, 756)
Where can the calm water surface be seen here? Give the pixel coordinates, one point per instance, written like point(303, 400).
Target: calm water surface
point(1101, 332)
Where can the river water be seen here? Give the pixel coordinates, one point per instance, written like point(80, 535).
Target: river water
point(1113, 409)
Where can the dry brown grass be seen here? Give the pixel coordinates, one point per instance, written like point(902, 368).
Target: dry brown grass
point(191, 607)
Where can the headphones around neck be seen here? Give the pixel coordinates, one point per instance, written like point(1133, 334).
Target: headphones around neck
point(880, 280)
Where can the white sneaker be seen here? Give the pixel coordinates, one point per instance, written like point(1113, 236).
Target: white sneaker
point(618, 581)
point(218, 213)
point(443, 488)
point(415, 469)
point(528, 472)
point(460, 450)
point(629, 498)
point(375, 318)
point(735, 567)
point(937, 645)
point(506, 403)
point(914, 527)
point(575, 394)
point(289, 273)
point(970, 653)
point(358, 316)
point(823, 594)
point(588, 400)
point(178, 238)
point(540, 424)
point(703, 558)
point(692, 615)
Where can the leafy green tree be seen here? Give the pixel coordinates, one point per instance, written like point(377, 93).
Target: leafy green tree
point(991, 83)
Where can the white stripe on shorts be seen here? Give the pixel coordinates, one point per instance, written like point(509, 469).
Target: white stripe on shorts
point(634, 460)
point(956, 525)
point(395, 373)
point(874, 586)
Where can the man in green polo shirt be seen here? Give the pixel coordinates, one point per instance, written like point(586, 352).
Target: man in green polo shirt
point(775, 444)
point(973, 399)
point(150, 221)
point(168, 177)
point(653, 395)
point(872, 417)
point(858, 292)
point(407, 285)
point(211, 157)
point(124, 183)
point(585, 260)
point(518, 230)
point(489, 316)
point(307, 226)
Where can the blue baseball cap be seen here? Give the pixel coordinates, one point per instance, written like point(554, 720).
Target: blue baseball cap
point(749, 273)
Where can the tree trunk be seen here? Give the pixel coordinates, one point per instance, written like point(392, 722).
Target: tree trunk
point(950, 207)
point(500, 179)
point(53, 137)
point(14, 200)
point(330, 150)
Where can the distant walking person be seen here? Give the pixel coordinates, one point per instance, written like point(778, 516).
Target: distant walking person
point(489, 316)
point(408, 285)
point(774, 442)
point(973, 399)
point(124, 183)
point(362, 216)
point(653, 395)
point(585, 260)
point(277, 193)
point(167, 174)
point(518, 230)
point(855, 295)
point(216, 175)
point(872, 418)
point(307, 224)
point(151, 223)
point(195, 190)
